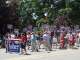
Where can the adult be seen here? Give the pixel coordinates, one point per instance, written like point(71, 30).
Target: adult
point(46, 40)
point(61, 40)
point(78, 39)
point(28, 40)
point(33, 42)
point(55, 41)
point(71, 40)
point(23, 43)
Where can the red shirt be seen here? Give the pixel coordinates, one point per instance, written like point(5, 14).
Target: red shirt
point(23, 38)
point(62, 38)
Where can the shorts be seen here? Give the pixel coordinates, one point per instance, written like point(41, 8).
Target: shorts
point(23, 45)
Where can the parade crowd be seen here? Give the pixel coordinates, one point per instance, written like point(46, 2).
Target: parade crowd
point(62, 37)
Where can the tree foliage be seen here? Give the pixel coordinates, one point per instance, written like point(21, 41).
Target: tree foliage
point(53, 8)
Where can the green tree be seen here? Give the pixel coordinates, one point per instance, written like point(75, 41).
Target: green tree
point(28, 7)
point(75, 13)
point(32, 11)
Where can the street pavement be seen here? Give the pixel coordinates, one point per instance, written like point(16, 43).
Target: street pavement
point(56, 54)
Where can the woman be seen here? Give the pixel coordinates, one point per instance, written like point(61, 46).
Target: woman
point(71, 41)
point(61, 40)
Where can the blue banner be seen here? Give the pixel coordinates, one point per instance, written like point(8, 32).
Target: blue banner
point(13, 46)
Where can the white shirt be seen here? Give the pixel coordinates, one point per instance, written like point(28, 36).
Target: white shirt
point(12, 36)
point(46, 36)
point(54, 39)
point(28, 37)
point(32, 37)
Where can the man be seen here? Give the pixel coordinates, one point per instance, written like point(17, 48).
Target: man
point(33, 42)
point(51, 40)
point(46, 39)
point(28, 40)
point(55, 41)
point(78, 39)
point(23, 43)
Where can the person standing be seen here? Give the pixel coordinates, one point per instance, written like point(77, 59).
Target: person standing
point(62, 41)
point(23, 43)
point(71, 41)
point(55, 41)
point(7, 38)
point(33, 42)
point(46, 40)
point(28, 40)
point(51, 40)
point(78, 39)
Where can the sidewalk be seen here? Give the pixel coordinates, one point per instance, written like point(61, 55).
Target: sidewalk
point(69, 54)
